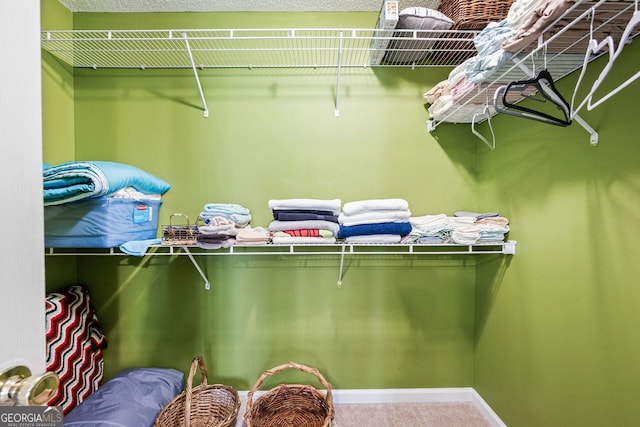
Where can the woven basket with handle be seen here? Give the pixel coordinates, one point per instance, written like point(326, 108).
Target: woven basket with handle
point(474, 14)
point(290, 404)
point(214, 405)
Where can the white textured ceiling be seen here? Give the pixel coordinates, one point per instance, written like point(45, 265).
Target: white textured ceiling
point(222, 5)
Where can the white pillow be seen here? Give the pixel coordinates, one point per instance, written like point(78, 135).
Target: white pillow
point(416, 18)
point(422, 18)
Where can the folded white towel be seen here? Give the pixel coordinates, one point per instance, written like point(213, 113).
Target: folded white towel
point(460, 221)
point(374, 217)
point(493, 228)
point(428, 222)
point(374, 238)
point(132, 193)
point(465, 235)
point(355, 207)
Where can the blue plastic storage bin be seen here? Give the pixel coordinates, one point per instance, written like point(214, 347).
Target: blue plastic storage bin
point(103, 222)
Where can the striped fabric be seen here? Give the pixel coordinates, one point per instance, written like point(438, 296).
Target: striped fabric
point(75, 343)
point(304, 232)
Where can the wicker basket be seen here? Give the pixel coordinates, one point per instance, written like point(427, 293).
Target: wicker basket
point(474, 14)
point(213, 405)
point(290, 404)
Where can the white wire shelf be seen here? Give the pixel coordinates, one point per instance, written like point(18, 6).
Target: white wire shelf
point(560, 49)
point(257, 48)
point(339, 249)
point(506, 247)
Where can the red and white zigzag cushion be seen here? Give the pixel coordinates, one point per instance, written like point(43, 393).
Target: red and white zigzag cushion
point(75, 343)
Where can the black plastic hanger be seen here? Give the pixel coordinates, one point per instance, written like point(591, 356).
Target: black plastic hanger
point(540, 89)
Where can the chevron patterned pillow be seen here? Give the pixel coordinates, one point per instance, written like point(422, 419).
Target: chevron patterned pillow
point(75, 343)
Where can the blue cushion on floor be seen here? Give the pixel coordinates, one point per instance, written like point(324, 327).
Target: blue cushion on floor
point(133, 398)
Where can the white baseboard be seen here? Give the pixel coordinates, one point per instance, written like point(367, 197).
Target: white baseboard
point(408, 395)
point(486, 410)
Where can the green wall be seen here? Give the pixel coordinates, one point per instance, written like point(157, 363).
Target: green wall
point(57, 91)
point(394, 322)
point(548, 337)
point(58, 130)
point(397, 321)
point(557, 338)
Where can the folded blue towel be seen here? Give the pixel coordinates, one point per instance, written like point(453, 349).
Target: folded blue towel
point(138, 247)
point(398, 228)
point(239, 219)
point(229, 208)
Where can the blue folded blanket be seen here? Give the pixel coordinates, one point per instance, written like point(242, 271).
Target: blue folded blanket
point(397, 228)
point(71, 181)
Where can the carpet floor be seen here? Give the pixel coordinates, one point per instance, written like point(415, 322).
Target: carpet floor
point(455, 414)
point(462, 414)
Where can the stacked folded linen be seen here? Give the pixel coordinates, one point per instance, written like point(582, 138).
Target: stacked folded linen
point(492, 232)
point(375, 221)
point(492, 227)
point(305, 209)
point(222, 222)
point(447, 98)
point(249, 236)
point(528, 18)
point(240, 215)
point(218, 232)
point(310, 221)
point(462, 228)
point(428, 229)
point(439, 229)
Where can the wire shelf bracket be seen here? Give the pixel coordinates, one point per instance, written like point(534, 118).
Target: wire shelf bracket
point(195, 73)
point(207, 285)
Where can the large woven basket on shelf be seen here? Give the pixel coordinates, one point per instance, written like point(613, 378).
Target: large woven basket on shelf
point(290, 404)
point(214, 405)
point(474, 14)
